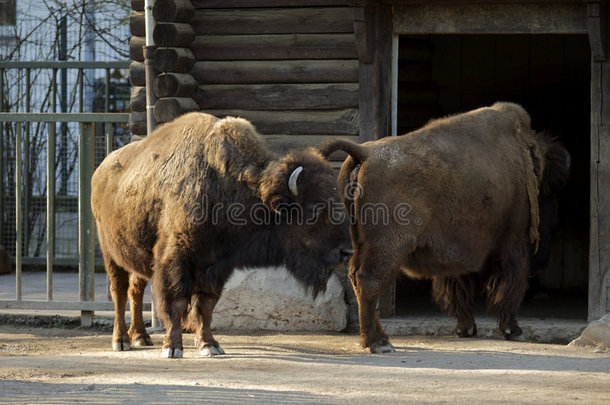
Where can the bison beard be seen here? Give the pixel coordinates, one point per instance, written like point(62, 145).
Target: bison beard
point(473, 183)
point(178, 207)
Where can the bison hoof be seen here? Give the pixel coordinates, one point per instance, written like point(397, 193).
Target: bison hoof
point(385, 347)
point(171, 353)
point(466, 333)
point(142, 341)
point(121, 345)
point(210, 351)
point(515, 334)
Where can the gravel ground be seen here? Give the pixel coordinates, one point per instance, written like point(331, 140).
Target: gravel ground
point(67, 364)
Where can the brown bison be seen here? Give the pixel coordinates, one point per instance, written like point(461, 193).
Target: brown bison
point(197, 198)
point(456, 201)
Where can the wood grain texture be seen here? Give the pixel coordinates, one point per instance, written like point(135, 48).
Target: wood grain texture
point(281, 46)
point(341, 122)
point(521, 18)
point(292, 71)
point(274, 21)
point(278, 96)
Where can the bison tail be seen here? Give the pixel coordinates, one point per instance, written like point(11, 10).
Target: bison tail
point(356, 151)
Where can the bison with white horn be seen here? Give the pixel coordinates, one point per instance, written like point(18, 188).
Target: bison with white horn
point(197, 198)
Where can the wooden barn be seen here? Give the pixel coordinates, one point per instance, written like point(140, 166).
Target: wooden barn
point(306, 70)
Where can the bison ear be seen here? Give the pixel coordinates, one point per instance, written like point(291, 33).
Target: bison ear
point(278, 202)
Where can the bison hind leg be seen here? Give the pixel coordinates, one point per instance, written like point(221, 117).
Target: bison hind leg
point(202, 308)
point(505, 287)
point(456, 296)
point(119, 282)
point(137, 331)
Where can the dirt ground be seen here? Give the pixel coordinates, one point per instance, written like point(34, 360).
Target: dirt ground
point(59, 366)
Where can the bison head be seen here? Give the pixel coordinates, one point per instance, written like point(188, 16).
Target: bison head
point(300, 189)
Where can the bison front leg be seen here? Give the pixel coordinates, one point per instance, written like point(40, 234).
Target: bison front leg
point(456, 296)
point(137, 330)
point(119, 281)
point(203, 308)
point(368, 282)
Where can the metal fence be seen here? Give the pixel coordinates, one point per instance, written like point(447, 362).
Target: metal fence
point(34, 177)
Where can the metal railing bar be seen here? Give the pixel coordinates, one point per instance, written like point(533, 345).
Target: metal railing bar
point(64, 65)
point(2, 125)
point(57, 261)
point(18, 223)
point(86, 237)
point(81, 80)
point(63, 305)
point(27, 169)
point(64, 117)
point(50, 207)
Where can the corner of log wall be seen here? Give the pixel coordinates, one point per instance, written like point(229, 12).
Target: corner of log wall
point(174, 86)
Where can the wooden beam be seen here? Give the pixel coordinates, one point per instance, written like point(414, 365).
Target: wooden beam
point(599, 242)
point(374, 77)
point(135, 48)
point(278, 96)
point(168, 108)
point(137, 101)
point(173, 60)
point(509, 18)
point(137, 24)
point(308, 20)
point(173, 10)
point(137, 74)
point(597, 20)
point(265, 3)
point(256, 72)
point(284, 143)
point(341, 122)
point(178, 35)
point(175, 85)
point(283, 46)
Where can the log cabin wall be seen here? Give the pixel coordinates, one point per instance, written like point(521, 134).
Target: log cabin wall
point(289, 66)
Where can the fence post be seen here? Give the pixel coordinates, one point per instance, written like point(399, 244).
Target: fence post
point(86, 237)
point(2, 159)
point(18, 222)
point(50, 207)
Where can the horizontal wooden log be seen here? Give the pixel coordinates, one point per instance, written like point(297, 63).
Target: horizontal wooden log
point(274, 21)
point(173, 10)
point(521, 18)
point(137, 24)
point(287, 46)
point(137, 5)
point(175, 85)
point(136, 53)
point(137, 122)
point(342, 122)
point(178, 60)
point(265, 3)
point(137, 101)
point(137, 74)
point(284, 143)
point(178, 35)
point(166, 109)
point(256, 72)
point(278, 96)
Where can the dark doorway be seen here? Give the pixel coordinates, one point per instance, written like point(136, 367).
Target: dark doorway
point(550, 76)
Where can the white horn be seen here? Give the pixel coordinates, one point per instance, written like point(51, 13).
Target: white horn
point(292, 181)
